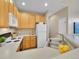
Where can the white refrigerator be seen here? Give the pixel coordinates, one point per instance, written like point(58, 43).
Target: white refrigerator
point(41, 35)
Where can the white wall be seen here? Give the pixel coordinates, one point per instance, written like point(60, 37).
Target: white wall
point(62, 25)
point(73, 8)
point(53, 21)
point(26, 31)
point(6, 30)
point(18, 31)
point(73, 14)
point(70, 24)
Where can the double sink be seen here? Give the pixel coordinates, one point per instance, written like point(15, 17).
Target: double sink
point(9, 40)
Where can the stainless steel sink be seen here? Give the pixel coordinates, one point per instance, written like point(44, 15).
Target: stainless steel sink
point(16, 40)
point(8, 41)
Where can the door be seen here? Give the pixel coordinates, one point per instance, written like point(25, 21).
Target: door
point(62, 26)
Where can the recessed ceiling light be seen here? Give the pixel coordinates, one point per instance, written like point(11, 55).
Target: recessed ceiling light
point(46, 4)
point(11, 1)
point(23, 3)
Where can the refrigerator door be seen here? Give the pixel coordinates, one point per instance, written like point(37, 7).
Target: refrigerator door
point(41, 35)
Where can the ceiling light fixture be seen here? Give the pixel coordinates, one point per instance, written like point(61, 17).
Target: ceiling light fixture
point(11, 1)
point(46, 4)
point(23, 3)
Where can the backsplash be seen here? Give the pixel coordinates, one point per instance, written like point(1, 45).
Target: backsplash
point(18, 31)
point(25, 31)
point(6, 30)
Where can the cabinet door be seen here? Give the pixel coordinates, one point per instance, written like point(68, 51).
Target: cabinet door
point(40, 18)
point(15, 11)
point(6, 13)
point(31, 21)
point(3, 14)
point(18, 15)
point(19, 19)
point(10, 7)
point(23, 22)
point(26, 43)
point(33, 41)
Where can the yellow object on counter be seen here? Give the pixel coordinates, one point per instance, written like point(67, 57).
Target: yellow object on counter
point(14, 35)
point(63, 48)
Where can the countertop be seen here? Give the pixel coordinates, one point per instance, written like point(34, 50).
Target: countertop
point(73, 54)
point(8, 51)
point(39, 53)
point(73, 39)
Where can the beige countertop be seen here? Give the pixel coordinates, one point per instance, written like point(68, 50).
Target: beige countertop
point(74, 54)
point(72, 39)
point(8, 51)
point(40, 53)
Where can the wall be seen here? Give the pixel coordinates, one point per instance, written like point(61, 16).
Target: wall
point(26, 31)
point(6, 30)
point(18, 31)
point(73, 14)
point(70, 24)
point(54, 19)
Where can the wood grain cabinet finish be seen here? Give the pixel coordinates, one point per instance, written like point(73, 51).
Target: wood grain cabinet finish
point(3, 14)
point(33, 41)
point(31, 21)
point(28, 42)
point(11, 7)
point(23, 20)
point(40, 18)
point(26, 20)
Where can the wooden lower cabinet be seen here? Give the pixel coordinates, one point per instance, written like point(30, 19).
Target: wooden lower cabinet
point(28, 42)
point(33, 42)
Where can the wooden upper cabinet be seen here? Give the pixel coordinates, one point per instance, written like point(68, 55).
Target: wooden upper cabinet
point(40, 18)
point(3, 14)
point(15, 10)
point(31, 21)
point(26, 20)
point(11, 7)
point(23, 21)
point(18, 16)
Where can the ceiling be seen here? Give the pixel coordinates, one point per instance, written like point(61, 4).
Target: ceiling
point(73, 8)
point(37, 6)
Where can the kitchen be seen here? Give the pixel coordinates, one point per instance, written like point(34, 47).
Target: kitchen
point(22, 24)
point(27, 28)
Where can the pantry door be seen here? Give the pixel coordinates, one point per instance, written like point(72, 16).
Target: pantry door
point(62, 25)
